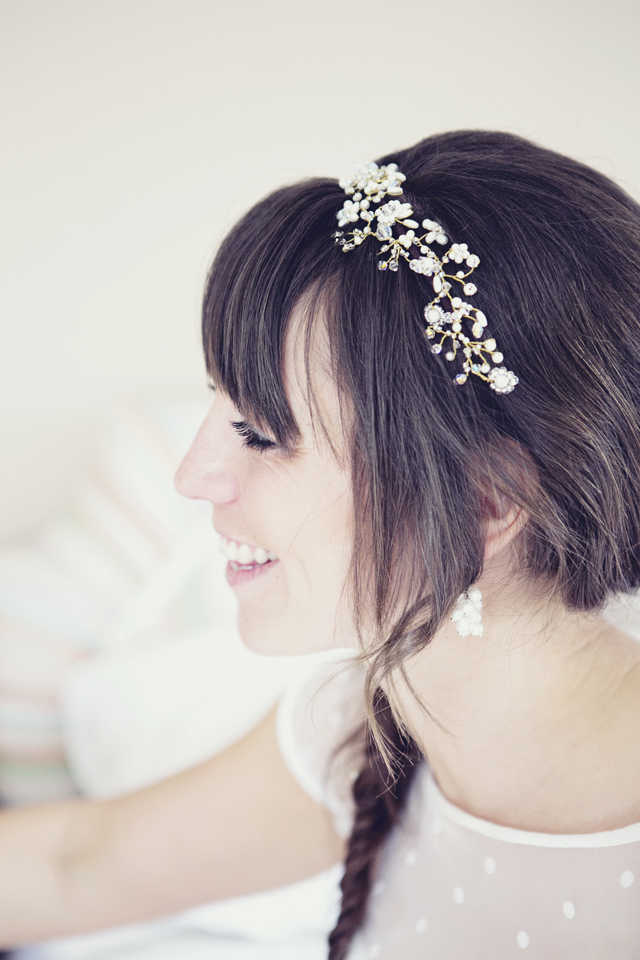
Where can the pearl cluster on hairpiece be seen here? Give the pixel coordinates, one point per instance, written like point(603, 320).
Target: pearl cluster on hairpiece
point(446, 313)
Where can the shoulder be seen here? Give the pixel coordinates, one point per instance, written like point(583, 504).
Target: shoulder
point(320, 726)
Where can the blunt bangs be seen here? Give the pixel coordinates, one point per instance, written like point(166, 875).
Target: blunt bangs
point(280, 250)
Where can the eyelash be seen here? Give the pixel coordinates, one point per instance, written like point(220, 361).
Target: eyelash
point(251, 438)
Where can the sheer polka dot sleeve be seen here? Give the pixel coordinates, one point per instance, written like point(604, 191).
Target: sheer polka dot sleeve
point(320, 719)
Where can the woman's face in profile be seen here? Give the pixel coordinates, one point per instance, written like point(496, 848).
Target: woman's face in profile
point(294, 505)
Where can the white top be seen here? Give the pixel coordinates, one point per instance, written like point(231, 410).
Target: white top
point(454, 887)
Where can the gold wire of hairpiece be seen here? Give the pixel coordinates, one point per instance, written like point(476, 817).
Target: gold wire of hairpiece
point(368, 186)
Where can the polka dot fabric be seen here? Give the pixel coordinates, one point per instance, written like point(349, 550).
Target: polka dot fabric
point(457, 888)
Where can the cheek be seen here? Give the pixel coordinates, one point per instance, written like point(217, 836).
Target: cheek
point(305, 513)
point(305, 518)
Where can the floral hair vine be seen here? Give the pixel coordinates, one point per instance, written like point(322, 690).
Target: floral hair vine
point(369, 186)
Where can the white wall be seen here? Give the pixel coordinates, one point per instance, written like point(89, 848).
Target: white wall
point(135, 131)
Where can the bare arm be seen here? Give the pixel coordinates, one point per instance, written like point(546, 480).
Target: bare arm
point(237, 824)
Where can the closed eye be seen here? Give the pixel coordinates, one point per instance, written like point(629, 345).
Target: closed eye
point(251, 437)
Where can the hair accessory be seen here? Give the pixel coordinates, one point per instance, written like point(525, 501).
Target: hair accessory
point(369, 186)
point(466, 614)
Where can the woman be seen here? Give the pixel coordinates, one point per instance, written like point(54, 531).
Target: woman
point(448, 479)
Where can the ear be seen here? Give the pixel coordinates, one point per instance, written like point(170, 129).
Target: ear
point(511, 484)
point(502, 531)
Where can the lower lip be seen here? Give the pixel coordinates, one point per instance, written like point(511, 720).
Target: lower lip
point(238, 576)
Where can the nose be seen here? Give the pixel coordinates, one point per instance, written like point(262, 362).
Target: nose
point(207, 470)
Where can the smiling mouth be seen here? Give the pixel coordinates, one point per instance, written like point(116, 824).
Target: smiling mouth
point(243, 558)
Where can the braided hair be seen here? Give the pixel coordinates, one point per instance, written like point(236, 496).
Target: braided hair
point(380, 796)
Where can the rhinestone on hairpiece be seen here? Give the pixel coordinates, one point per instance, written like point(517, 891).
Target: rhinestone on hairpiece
point(445, 315)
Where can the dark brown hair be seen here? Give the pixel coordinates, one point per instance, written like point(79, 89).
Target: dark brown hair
point(559, 280)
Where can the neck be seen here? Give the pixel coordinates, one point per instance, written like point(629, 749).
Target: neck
point(535, 724)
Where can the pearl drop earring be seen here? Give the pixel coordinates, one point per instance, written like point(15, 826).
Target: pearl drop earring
point(466, 614)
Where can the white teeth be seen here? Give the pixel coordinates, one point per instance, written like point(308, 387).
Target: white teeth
point(243, 554)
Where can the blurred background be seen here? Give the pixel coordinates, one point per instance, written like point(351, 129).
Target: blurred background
point(135, 131)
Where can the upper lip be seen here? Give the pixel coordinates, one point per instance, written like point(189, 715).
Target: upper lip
point(228, 536)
